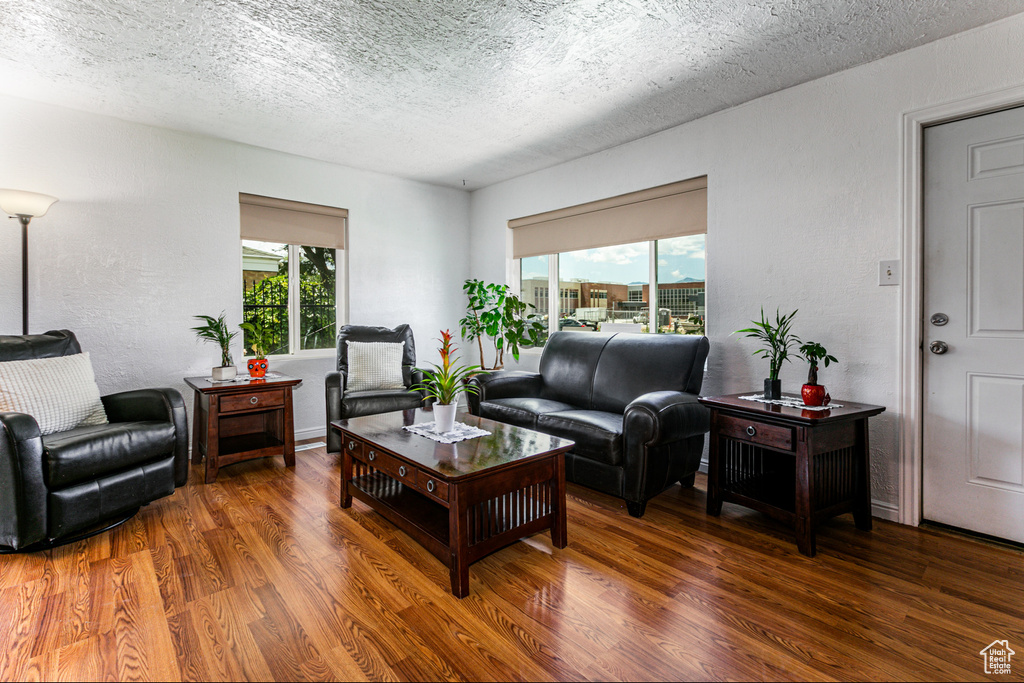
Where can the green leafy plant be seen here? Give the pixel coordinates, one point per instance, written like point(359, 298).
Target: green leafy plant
point(446, 381)
point(216, 331)
point(261, 339)
point(494, 312)
point(812, 352)
point(776, 339)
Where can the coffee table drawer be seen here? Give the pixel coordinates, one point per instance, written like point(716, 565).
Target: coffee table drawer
point(253, 401)
point(432, 487)
point(390, 465)
point(754, 431)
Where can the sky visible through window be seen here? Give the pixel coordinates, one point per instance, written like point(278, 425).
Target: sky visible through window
point(679, 259)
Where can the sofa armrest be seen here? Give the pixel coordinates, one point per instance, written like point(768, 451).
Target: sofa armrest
point(503, 384)
point(157, 405)
point(334, 387)
point(664, 416)
point(23, 512)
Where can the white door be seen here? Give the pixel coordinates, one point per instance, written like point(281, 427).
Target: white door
point(974, 275)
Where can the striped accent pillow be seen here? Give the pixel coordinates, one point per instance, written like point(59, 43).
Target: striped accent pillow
point(374, 366)
point(60, 393)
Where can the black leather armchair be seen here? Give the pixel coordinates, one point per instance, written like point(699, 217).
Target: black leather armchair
point(65, 486)
point(629, 401)
point(342, 404)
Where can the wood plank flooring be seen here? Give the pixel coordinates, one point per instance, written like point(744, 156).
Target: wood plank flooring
point(261, 576)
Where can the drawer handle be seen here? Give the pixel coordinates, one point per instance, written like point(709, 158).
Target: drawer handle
point(751, 431)
point(372, 456)
point(254, 400)
point(401, 470)
point(430, 485)
point(351, 445)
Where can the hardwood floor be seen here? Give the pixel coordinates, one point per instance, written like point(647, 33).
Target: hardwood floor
point(262, 576)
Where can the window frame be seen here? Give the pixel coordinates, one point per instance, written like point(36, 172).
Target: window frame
point(340, 301)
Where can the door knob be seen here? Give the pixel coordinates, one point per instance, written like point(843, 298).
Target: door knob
point(938, 347)
point(939, 319)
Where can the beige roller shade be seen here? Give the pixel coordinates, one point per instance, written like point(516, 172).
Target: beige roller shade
point(278, 220)
point(655, 213)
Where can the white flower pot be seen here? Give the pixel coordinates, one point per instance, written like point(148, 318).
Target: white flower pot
point(225, 372)
point(444, 417)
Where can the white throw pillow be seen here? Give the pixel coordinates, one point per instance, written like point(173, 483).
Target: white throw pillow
point(374, 366)
point(60, 393)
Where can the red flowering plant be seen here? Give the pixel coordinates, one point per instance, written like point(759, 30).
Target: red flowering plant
point(446, 381)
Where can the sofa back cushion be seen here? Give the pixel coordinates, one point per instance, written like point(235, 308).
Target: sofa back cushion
point(634, 364)
point(568, 365)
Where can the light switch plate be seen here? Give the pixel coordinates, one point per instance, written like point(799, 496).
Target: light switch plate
point(888, 273)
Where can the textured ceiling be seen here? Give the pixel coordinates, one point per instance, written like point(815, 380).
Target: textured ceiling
point(446, 90)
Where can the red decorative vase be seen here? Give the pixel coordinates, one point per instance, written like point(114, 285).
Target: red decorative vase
point(814, 395)
point(257, 367)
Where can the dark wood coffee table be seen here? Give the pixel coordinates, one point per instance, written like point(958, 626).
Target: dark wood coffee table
point(460, 501)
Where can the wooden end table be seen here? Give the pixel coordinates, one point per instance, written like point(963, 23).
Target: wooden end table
point(799, 466)
point(460, 501)
point(236, 421)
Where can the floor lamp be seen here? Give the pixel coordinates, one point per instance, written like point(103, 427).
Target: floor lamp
point(24, 206)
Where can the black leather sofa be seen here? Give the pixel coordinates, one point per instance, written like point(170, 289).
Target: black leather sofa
point(629, 401)
point(342, 404)
point(68, 485)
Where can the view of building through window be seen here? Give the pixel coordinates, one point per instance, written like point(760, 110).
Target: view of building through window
point(609, 288)
point(304, 321)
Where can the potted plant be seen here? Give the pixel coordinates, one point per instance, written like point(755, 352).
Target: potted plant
point(777, 340)
point(444, 383)
point(260, 339)
point(216, 330)
point(494, 312)
point(813, 393)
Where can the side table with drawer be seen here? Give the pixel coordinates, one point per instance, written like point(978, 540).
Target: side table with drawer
point(236, 421)
point(799, 466)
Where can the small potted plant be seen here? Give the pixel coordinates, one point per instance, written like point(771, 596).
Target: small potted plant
point(260, 339)
point(777, 340)
point(813, 393)
point(445, 382)
point(216, 330)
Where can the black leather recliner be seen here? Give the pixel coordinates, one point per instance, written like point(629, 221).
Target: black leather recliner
point(65, 486)
point(342, 404)
point(629, 401)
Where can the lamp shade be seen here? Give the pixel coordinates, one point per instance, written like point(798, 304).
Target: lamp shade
point(22, 203)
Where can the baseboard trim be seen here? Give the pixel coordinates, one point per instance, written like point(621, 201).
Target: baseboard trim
point(310, 433)
point(886, 511)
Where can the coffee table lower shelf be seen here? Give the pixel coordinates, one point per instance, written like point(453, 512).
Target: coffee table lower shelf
point(483, 514)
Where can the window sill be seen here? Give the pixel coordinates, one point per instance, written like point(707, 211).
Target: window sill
point(302, 355)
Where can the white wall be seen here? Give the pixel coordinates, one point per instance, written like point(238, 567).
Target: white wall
point(804, 199)
point(146, 235)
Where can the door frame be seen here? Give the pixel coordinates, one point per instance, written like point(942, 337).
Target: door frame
point(911, 355)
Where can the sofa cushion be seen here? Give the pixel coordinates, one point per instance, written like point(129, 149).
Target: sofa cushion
point(521, 412)
point(635, 364)
point(87, 453)
point(598, 435)
point(568, 365)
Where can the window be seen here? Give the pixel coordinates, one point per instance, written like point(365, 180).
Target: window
point(290, 283)
point(636, 260)
point(290, 290)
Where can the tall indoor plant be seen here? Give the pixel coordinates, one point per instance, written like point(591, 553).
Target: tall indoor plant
point(215, 330)
point(813, 393)
point(445, 382)
point(496, 313)
point(776, 339)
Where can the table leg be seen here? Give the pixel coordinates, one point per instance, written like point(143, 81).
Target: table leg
point(289, 429)
point(862, 463)
point(458, 564)
point(212, 438)
point(346, 476)
point(714, 470)
point(559, 531)
point(198, 427)
point(804, 496)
